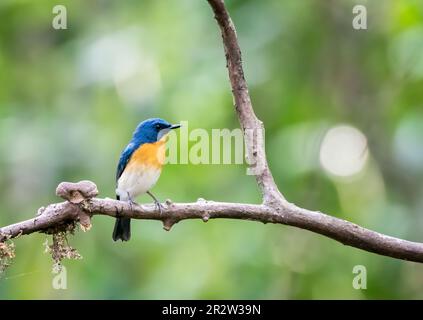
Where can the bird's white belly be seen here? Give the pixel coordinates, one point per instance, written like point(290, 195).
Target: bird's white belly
point(137, 182)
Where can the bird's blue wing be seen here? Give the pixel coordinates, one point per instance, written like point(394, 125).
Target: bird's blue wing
point(124, 159)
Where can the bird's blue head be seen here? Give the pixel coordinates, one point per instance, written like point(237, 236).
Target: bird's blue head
point(152, 130)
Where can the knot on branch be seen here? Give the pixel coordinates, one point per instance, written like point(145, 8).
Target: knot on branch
point(168, 223)
point(77, 192)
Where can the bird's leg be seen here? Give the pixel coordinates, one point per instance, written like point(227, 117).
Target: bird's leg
point(159, 206)
point(131, 202)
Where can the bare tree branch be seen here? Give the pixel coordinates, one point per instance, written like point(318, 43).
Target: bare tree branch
point(244, 109)
point(81, 206)
point(81, 203)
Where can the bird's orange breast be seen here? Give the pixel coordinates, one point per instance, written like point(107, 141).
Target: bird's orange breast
point(150, 155)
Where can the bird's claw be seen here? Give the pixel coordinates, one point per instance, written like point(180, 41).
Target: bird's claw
point(159, 206)
point(132, 203)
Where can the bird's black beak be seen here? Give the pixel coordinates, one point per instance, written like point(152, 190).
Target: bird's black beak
point(175, 126)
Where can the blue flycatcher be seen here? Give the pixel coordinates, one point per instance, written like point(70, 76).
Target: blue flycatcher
point(139, 168)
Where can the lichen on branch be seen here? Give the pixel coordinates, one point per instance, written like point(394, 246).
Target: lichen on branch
point(7, 253)
point(60, 248)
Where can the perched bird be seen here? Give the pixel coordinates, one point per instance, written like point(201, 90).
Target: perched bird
point(139, 168)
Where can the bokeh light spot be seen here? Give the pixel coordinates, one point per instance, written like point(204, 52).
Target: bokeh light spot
point(408, 143)
point(343, 151)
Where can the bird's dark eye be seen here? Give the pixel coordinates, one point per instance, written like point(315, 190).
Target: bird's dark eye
point(157, 126)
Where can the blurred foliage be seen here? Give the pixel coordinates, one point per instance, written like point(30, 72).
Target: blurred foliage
point(70, 99)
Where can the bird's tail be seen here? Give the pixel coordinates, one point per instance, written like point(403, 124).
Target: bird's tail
point(122, 230)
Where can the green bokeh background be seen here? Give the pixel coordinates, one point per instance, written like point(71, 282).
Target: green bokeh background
point(70, 99)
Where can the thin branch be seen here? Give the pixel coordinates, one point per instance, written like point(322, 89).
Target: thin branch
point(251, 125)
point(81, 203)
